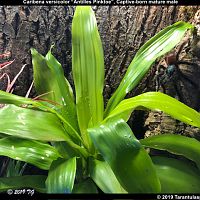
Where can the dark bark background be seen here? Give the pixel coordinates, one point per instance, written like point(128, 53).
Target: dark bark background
point(123, 30)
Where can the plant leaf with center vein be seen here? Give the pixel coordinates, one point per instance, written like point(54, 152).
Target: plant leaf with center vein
point(31, 124)
point(157, 46)
point(30, 151)
point(127, 158)
point(61, 176)
point(88, 69)
point(156, 101)
point(45, 81)
point(176, 144)
point(104, 177)
point(176, 176)
point(68, 110)
point(7, 98)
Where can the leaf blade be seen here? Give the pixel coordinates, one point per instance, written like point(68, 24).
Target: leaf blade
point(44, 80)
point(157, 46)
point(31, 124)
point(176, 144)
point(176, 176)
point(30, 151)
point(156, 101)
point(66, 98)
point(7, 98)
point(61, 176)
point(88, 68)
point(104, 177)
point(116, 143)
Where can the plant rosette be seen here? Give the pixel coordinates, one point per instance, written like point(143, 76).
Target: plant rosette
point(84, 147)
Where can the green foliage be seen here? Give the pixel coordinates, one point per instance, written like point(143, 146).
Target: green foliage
point(16, 182)
point(157, 46)
point(15, 168)
point(116, 143)
point(86, 186)
point(61, 176)
point(102, 174)
point(32, 151)
point(81, 145)
point(156, 101)
point(176, 176)
point(29, 123)
point(88, 70)
point(176, 144)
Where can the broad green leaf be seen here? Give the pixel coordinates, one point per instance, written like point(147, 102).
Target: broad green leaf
point(30, 151)
point(176, 176)
point(127, 158)
point(35, 124)
point(176, 144)
point(69, 109)
point(61, 176)
point(157, 46)
point(157, 101)
point(63, 85)
point(87, 186)
point(49, 79)
point(31, 124)
point(88, 69)
point(36, 182)
point(7, 98)
point(104, 177)
point(45, 80)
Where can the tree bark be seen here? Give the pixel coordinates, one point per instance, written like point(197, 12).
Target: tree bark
point(123, 29)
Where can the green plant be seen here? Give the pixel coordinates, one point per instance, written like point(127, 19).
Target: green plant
point(81, 145)
point(10, 167)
